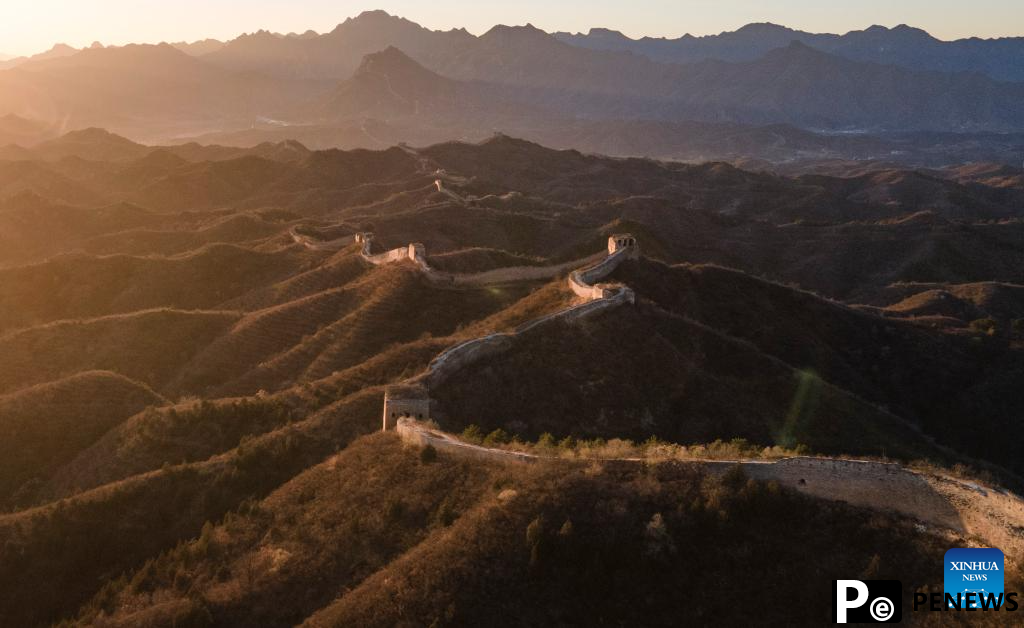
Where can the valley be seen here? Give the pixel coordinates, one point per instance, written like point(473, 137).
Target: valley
point(393, 326)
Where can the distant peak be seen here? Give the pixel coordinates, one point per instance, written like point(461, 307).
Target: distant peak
point(372, 19)
point(527, 32)
point(93, 135)
point(89, 133)
point(606, 33)
point(389, 56)
point(374, 14)
point(902, 30)
point(391, 61)
point(764, 27)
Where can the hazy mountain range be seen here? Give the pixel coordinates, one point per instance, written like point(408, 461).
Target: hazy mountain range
point(1000, 59)
point(378, 79)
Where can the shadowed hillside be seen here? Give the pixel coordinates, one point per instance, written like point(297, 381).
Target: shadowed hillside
point(556, 534)
point(717, 354)
point(45, 426)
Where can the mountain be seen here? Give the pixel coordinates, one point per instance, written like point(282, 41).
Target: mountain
point(804, 86)
point(141, 89)
point(59, 50)
point(196, 353)
point(22, 131)
point(784, 83)
point(337, 54)
point(377, 80)
point(1000, 59)
point(389, 84)
point(746, 44)
point(199, 47)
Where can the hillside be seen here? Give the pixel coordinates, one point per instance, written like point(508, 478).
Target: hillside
point(44, 426)
point(196, 357)
point(81, 286)
point(813, 373)
point(149, 346)
point(542, 531)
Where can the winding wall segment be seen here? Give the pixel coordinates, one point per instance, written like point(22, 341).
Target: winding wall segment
point(597, 298)
point(936, 500)
point(940, 501)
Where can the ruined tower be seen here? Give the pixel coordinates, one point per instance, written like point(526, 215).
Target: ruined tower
point(405, 401)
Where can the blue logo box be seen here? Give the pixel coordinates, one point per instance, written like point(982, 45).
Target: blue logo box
point(973, 570)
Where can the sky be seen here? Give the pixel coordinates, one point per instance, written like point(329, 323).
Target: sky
point(30, 26)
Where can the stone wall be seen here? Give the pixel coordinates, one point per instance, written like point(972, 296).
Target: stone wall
point(883, 486)
point(415, 434)
point(941, 501)
point(584, 283)
point(513, 274)
point(455, 358)
point(946, 503)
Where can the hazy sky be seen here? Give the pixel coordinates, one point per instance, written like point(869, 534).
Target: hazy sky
point(29, 26)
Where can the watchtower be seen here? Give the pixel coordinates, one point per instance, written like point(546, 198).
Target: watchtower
point(416, 249)
point(620, 241)
point(405, 401)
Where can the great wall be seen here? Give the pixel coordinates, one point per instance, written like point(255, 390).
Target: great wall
point(939, 501)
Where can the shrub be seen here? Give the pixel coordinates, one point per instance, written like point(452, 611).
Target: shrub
point(1018, 327)
point(986, 326)
point(497, 437)
point(472, 434)
point(428, 454)
point(657, 541)
point(547, 441)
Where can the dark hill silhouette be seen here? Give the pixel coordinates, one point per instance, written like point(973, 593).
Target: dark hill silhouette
point(389, 83)
point(391, 86)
